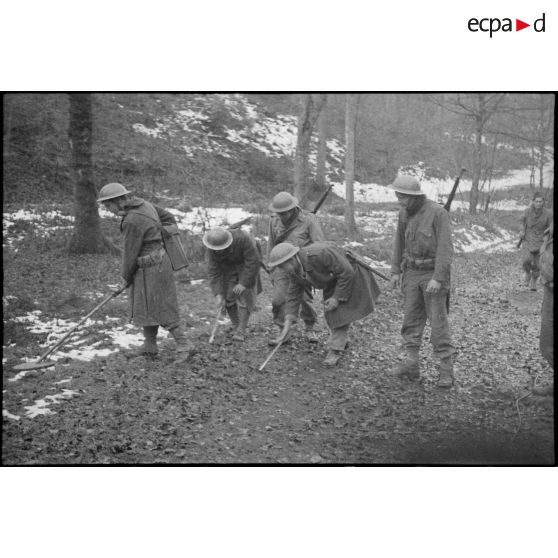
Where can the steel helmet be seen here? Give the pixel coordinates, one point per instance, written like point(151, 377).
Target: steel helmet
point(281, 253)
point(217, 238)
point(110, 191)
point(405, 184)
point(282, 202)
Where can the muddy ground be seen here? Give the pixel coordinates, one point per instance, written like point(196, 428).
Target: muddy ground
point(219, 409)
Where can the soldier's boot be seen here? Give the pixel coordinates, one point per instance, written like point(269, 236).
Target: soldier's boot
point(243, 317)
point(533, 283)
point(332, 358)
point(183, 344)
point(274, 340)
point(409, 368)
point(232, 311)
point(527, 278)
point(446, 379)
point(149, 348)
point(310, 334)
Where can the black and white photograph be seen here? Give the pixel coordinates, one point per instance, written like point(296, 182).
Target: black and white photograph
point(278, 278)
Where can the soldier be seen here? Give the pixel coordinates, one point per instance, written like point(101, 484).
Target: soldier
point(423, 250)
point(300, 228)
point(146, 267)
point(536, 220)
point(547, 279)
point(349, 290)
point(233, 267)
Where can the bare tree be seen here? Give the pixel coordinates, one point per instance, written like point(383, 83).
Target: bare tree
point(350, 132)
point(478, 108)
point(322, 147)
point(310, 110)
point(87, 237)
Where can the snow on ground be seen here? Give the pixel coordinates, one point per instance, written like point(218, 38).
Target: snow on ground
point(200, 219)
point(41, 406)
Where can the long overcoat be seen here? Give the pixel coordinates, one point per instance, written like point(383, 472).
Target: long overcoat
point(325, 266)
point(153, 299)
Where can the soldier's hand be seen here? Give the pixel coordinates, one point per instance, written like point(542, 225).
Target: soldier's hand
point(238, 289)
point(395, 281)
point(433, 286)
point(331, 304)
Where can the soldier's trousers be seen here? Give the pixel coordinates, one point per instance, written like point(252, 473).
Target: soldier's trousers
point(530, 262)
point(338, 338)
point(547, 326)
point(420, 306)
point(280, 281)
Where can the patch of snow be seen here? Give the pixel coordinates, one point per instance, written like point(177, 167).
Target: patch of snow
point(197, 281)
point(67, 380)
point(200, 219)
point(7, 414)
point(41, 405)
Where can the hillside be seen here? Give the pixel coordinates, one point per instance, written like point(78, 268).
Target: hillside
point(208, 148)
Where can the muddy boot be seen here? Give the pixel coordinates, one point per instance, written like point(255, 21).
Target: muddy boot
point(149, 348)
point(310, 334)
point(445, 379)
point(232, 311)
point(332, 358)
point(527, 278)
point(243, 317)
point(183, 344)
point(533, 283)
point(274, 340)
point(409, 368)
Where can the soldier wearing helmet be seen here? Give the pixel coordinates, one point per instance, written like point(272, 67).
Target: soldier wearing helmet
point(423, 252)
point(536, 220)
point(291, 224)
point(146, 267)
point(233, 267)
point(349, 290)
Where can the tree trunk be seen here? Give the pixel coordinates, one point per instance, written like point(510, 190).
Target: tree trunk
point(309, 113)
point(541, 164)
point(322, 147)
point(477, 167)
point(87, 237)
point(350, 128)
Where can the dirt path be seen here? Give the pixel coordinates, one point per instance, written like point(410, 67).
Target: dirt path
point(219, 408)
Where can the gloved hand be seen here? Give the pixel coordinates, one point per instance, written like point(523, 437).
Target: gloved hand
point(395, 281)
point(117, 289)
point(330, 304)
point(433, 286)
point(238, 289)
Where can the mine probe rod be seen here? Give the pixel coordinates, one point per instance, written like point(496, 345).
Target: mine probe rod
point(280, 342)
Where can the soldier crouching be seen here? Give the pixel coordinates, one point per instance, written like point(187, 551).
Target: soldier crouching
point(349, 291)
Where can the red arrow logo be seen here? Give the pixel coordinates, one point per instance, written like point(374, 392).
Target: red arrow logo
point(519, 25)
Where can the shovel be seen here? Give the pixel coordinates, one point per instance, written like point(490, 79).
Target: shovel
point(41, 362)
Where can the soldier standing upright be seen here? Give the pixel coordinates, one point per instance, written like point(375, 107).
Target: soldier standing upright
point(300, 228)
point(423, 251)
point(146, 267)
point(536, 220)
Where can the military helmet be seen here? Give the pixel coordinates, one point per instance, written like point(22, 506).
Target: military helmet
point(405, 184)
point(217, 238)
point(110, 191)
point(282, 202)
point(281, 253)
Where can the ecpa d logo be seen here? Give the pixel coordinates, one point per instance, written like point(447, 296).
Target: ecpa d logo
point(492, 25)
